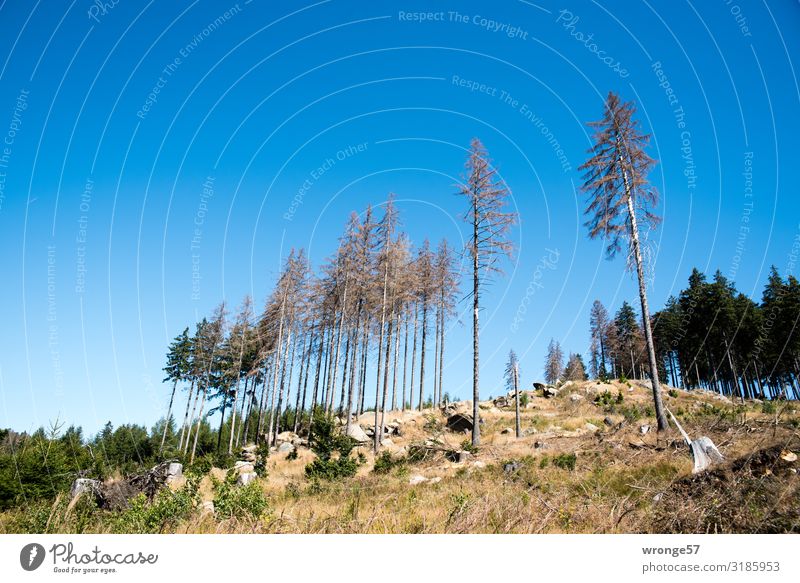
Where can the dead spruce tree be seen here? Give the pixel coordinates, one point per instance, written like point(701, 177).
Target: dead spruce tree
point(554, 362)
point(615, 180)
point(487, 195)
point(512, 382)
point(446, 283)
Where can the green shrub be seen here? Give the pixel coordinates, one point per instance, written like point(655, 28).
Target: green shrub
point(565, 461)
point(466, 445)
point(333, 452)
point(233, 501)
point(161, 515)
point(386, 462)
point(524, 399)
point(768, 407)
point(673, 393)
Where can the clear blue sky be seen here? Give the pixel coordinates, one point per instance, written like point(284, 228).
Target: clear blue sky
point(113, 119)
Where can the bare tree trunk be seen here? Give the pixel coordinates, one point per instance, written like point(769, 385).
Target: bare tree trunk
point(414, 359)
point(277, 367)
point(394, 364)
point(186, 416)
point(275, 414)
point(189, 427)
point(362, 384)
point(441, 359)
point(351, 387)
point(405, 362)
point(269, 364)
point(386, 370)
point(169, 414)
point(314, 393)
point(648, 333)
point(422, 354)
point(242, 417)
point(221, 421)
point(199, 422)
point(516, 400)
point(476, 426)
point(332, 384)
point(305, 387)
point(345, 369)
point(304, 362)
point(376, 437)
point(435, 399)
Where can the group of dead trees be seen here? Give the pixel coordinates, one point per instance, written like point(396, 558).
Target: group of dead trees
point(314, 343)
point(373, 306)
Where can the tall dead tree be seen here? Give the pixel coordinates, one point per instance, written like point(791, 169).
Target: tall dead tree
point(615, 181)
point(487, 195)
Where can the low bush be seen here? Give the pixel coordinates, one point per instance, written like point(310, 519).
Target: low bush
point(233, 501)
point(333, 450)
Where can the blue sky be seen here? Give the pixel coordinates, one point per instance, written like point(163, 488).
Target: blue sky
point(151, 153)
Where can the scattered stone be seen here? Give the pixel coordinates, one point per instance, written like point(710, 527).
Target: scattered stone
point(435, 480)
point(417, 480)
point(386, 442)
point(174, 470)
point(592, 427)
point(549, 392)
point(630, 389)
point(788, 456)
point(658, 497)
point(478, 464)
point(286, 437)
point(501, 402)
point(608, 421)
point(243, 467)
point(84, 486)
point(357, 433)
point(540, 445)
point(511, 467)
point(285, 447)
point(507, 430)
point(460, 422)
point(463, 456)
point(208, 507)
point(567, 384)
point(575, 397)
point(531, 431)
point(644, 429)
point(539, 386)
point(245, 479)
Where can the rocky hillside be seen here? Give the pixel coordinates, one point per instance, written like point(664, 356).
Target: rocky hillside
point(589, 460)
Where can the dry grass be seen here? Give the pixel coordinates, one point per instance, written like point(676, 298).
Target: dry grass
point(623, 481)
